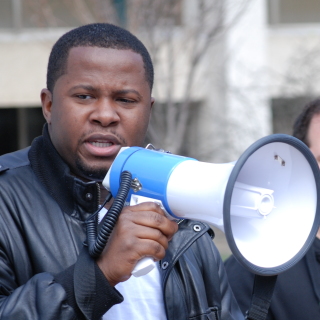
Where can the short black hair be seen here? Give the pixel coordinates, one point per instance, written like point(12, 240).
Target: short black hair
point(302, 122)
point(103, 35)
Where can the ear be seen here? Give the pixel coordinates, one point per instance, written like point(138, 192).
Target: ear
point(152, 102)
point(46, 101)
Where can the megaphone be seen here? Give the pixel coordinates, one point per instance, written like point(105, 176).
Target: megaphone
point(266, 203)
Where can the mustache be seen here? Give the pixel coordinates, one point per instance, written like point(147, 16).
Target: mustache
point(121, 139)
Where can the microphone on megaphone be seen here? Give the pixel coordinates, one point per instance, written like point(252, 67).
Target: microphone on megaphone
point(266, 203)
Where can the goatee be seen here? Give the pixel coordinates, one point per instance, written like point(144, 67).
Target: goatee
point(87, 172)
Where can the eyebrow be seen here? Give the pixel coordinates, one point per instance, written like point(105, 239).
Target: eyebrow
point(84, 86)
point(129, 91)
point(93, 89)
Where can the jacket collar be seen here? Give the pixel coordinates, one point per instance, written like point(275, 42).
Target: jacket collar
point(74, 196)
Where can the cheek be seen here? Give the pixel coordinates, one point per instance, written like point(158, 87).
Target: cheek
point(136, 128)
point(65, 117)
point(65, 130)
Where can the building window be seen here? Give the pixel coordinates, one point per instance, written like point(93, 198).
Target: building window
point(8, 130)
point(285, 111)
point(18, 127)
point(293, 11)
point(19, 14)
point(121, 10)
point(6, 18)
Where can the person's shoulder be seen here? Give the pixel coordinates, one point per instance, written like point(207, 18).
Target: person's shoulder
point(199, 237)
point(235, 269)
point(195, 227)
point(14, 166)
point(231, 263)
point(14, 160)
point(17, 180)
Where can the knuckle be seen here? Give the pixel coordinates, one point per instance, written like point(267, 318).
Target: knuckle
point(130, 243)
point(159, 251)
point(158, 235)
point(154, 206)
point(174, 227)
point(157, 219)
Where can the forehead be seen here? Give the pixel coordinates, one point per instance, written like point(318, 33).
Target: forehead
point(82, 59)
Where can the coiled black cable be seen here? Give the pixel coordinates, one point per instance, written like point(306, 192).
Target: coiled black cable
point(96, 243)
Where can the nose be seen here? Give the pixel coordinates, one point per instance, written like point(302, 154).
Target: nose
point(104, 113)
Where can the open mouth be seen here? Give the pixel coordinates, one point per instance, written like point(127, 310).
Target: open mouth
point(101, 144)
point(102, 147)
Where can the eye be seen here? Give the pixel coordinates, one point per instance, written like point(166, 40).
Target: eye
point(84, 96)
point(125, 100)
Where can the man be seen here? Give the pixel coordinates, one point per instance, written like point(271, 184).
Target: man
point(98, 99)
point(297, 291)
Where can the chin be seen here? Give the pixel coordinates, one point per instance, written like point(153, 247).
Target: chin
point(90, 172)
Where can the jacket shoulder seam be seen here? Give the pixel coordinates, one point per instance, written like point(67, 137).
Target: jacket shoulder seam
point(14, 160)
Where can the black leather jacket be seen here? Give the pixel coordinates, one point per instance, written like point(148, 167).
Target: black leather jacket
point(45, 270)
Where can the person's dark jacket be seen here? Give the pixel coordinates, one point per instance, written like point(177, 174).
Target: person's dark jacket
point(297, 291)
point(45, 270)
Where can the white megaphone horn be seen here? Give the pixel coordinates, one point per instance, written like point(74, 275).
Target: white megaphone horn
point(266, 203)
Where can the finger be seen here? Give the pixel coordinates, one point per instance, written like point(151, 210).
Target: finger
point(147, 206)
point(139, 242)
point(152, 219)
point(149, 248)
point(154, 235)
point(131, 232)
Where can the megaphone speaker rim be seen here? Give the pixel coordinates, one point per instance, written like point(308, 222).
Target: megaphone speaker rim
point(300, 146)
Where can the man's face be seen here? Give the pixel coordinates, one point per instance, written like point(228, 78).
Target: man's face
point(102, 103)
point(314, 136)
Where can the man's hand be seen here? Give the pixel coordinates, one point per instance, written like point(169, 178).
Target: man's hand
point(142, 230)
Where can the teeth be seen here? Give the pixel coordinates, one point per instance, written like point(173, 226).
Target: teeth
point(101, 144)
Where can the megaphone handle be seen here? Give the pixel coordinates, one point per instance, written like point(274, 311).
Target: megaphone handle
point(144, 266)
